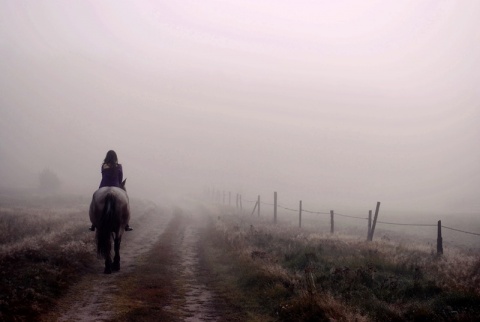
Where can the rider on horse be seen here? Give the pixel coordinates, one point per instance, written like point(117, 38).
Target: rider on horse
point(112, 176)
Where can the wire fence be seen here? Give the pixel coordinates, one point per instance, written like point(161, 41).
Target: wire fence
point(400, 224)
point(348, 216)
point(302, 210)
point(462, 231)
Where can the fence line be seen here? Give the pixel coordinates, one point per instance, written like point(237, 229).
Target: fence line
point(366, 218)
point(289, 209)
point(400, 224)
point(268, 204)
point(462, 231)
point(356, 217)
point(249, 200)
point(349, 216)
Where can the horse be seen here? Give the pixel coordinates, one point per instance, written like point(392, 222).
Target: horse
point(110, 213)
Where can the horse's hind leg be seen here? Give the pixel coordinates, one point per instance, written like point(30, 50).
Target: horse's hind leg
point(116, 258)
point(108, 265)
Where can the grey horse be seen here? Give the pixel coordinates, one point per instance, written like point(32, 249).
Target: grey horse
point(110, 213)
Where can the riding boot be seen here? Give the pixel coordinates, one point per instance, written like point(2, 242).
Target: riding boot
point(128, 228)
point(92, 228)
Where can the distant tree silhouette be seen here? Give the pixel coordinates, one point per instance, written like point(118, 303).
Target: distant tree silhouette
point(48, 181)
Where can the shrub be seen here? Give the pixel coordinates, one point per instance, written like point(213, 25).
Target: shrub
point(48, 181)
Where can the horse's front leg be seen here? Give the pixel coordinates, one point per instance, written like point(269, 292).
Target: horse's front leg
point(116, 258)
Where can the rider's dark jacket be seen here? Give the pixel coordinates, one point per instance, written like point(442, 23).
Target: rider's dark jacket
point(111, 176)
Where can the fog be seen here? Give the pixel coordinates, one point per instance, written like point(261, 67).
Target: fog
point(338, 103)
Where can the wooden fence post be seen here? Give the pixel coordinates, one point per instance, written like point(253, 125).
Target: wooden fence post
point(439, 239)
point(369, 224)
point(331, 222)
point(374, 221)
point(258, 205)
point(300, 215)
point(275, 207)
point(240, 200)
point(236, 200)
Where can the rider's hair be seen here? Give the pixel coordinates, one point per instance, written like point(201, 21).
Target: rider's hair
point(111, 158)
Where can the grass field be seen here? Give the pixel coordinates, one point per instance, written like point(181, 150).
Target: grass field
point(293, 274)
point(44, 247)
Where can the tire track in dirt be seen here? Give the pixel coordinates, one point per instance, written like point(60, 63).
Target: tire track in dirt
point(171, 284)
point(199, 303)
point(92, 298)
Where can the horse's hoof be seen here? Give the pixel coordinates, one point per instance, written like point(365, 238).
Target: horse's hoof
point(107, 271)
point(116, 268)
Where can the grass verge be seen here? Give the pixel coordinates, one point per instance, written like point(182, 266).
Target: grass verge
point(276, 272)
point(260, 289)
point(38, 265)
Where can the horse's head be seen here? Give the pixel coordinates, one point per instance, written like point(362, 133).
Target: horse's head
point(122, 185)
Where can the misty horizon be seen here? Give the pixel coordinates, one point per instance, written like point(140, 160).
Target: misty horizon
point(337, 104)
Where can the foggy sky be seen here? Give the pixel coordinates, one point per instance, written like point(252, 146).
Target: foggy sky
point(338, 103)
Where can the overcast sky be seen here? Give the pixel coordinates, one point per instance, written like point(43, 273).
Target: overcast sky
point(338, 103)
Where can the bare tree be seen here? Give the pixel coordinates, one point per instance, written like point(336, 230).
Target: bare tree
point(48, 181)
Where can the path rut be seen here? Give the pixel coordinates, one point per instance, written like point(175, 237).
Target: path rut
point(199, 302)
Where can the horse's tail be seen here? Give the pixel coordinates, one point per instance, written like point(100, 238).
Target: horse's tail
point(106, 226)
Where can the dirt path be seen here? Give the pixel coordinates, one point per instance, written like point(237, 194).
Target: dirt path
point(199, 303)
point(91, 299)
point(96, 297)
